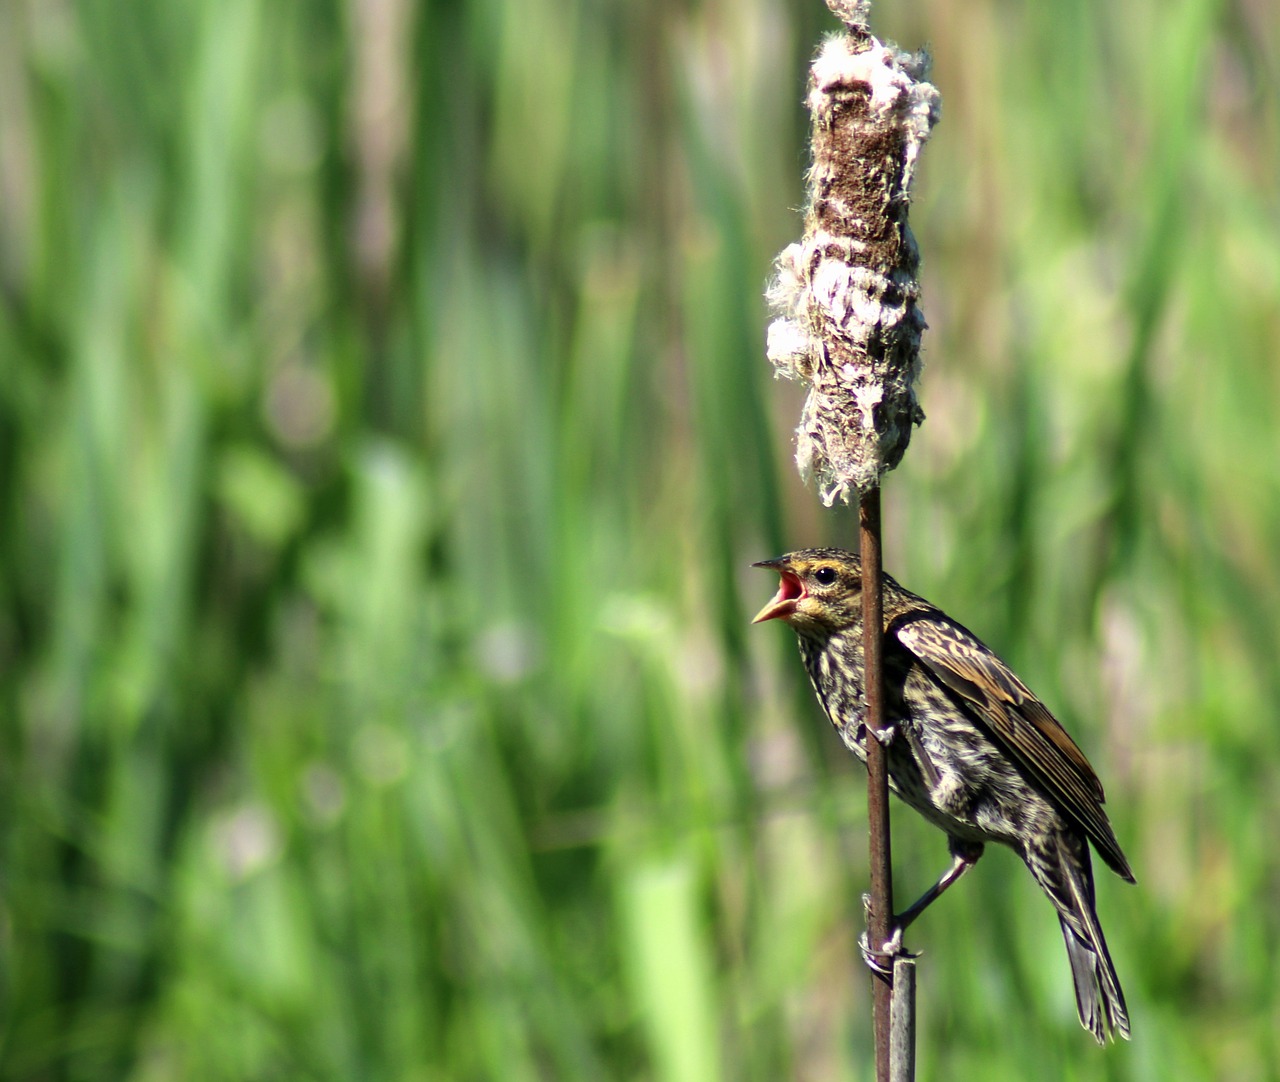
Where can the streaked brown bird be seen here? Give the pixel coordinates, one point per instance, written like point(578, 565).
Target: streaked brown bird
point(968, 746)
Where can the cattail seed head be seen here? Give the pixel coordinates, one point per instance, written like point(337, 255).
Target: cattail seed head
point(848, 322)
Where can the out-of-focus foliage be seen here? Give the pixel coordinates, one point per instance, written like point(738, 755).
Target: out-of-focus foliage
point(384, 432)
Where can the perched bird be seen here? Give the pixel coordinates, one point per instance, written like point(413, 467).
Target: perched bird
point(968, 746)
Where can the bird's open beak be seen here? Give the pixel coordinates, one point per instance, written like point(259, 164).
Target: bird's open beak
point(790, 590)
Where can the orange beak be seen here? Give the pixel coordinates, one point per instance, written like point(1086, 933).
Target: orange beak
point(782, 605)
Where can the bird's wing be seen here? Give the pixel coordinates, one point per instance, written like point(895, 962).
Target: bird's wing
point(1017, 719)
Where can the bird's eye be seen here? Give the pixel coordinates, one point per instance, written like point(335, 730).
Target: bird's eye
point(825, 576)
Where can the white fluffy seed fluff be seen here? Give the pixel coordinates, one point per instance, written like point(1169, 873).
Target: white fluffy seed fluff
point(848, 323)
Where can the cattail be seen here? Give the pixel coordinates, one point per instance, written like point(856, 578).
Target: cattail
point(846, 297)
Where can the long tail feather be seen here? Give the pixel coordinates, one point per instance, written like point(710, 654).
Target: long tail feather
point(1099, 999)
point(1066, 874)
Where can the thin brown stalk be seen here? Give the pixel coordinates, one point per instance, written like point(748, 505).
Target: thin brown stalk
point(880, 917)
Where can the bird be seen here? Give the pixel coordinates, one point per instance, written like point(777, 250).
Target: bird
point(968, 746)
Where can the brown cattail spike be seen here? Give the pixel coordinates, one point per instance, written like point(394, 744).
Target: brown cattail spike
point(846, 296)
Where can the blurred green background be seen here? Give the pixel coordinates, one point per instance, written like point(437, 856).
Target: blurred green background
point(385, 432)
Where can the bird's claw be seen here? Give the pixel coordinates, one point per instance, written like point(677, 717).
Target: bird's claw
point(881, 961)
point(884, 737)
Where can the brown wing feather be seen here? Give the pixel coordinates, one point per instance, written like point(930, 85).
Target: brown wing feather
point(1017, 719)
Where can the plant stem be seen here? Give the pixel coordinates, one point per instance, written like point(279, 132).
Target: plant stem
point(881, 914)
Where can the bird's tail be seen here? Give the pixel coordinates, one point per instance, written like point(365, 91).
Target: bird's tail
point(1068, 881)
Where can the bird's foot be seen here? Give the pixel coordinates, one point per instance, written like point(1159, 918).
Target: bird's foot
point(883, 736)
point(880, 960)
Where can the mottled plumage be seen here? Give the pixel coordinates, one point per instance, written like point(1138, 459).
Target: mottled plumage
point(971, 749)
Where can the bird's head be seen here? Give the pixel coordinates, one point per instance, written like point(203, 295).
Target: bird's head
point(820, 591)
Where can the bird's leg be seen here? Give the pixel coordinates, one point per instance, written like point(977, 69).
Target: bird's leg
point(964, 856)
